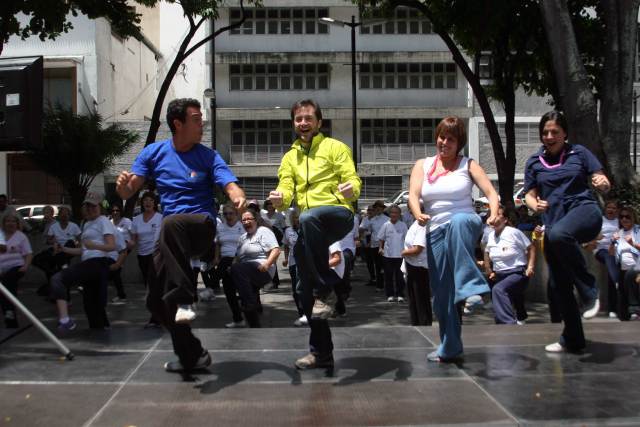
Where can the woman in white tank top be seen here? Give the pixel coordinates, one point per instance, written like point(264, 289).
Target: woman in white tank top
point(444, 184)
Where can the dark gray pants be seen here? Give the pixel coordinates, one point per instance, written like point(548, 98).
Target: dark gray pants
point(170, 277)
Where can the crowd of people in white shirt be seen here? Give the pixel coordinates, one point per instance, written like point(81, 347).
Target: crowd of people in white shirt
point(390, 242)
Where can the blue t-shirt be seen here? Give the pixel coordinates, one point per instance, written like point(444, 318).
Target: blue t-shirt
point(185, 180)
point(564, 187)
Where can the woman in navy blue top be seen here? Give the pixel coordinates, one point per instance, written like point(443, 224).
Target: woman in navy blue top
point(557, 186)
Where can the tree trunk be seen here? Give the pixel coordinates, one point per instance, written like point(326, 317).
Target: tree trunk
point(506, 181)
point(571, 77)
point(617, 87)
point(478, 91)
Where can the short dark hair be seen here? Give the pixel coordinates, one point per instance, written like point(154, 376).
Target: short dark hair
point(306, 103)
point(151, 195)
point(556, 116)
point(177, 109)
point(3, 196)
point(453, 126)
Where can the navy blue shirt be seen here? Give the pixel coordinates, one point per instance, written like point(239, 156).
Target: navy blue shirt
point(564, 187)
point(185, 180)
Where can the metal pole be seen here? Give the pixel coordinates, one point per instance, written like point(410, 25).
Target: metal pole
point(635, 131)
point(212, 101)
point(354, 103)
point(34, 320)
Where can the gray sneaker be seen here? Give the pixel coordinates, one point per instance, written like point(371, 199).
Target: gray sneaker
point(314, 361)
point(323, 307)
point(203, 362)
point(70, 325)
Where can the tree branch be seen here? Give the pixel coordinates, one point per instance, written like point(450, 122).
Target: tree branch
point(218, 32)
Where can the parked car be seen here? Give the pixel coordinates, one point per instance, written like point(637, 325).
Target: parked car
point(399, 198)
point(482, 203)
point(33, 214)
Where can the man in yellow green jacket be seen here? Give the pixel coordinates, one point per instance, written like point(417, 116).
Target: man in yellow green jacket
point(319, 172)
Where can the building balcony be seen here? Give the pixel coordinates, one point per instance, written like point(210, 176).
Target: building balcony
point(369, 153)
point(397, 153)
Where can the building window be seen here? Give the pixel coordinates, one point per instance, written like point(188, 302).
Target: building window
point(280, 21)
point(279, 76)
point(59, 88)
point(267, 132)
point(405, 21)
point(397, 131)
point(380, 187)
point(257, 187)
point(408, 76)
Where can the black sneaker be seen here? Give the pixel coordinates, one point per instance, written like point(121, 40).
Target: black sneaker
point(202, 363)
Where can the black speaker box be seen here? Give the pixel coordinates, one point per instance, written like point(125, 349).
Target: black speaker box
point(20, 103)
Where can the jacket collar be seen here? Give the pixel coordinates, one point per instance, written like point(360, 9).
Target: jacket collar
point(297, 144)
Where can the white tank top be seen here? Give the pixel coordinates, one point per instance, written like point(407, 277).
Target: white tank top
point(448, 195)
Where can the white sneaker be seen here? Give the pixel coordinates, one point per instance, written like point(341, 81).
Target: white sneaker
point(613, 315)
point(302, 321)
point(391, 299)
point(207, 295)
point(118, 301)
point(592, 309)
point(185, 315)
point(521, 322)
point(400, 299)
point(634, 316)
point(556, 347)
point(233, 325)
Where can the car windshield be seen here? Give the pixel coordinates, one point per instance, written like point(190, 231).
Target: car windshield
point(394, 197)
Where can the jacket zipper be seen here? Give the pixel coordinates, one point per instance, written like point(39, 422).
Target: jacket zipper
point(306, 194)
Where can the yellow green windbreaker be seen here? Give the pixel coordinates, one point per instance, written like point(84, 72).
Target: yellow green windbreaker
point(314, 176)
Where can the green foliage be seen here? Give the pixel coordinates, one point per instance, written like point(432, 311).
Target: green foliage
point(77, 148)
point(48, 18)
point(513, 34)
point(627, 196)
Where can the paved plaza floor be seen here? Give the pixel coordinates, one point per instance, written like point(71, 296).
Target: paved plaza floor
point(381, 377)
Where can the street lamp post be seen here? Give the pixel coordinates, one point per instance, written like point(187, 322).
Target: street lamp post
point(354, 103)
point(635, 131)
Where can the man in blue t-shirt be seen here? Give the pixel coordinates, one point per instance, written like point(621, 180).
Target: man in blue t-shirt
point(185, 173)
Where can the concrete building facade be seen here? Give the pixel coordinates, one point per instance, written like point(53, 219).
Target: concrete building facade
point(406, 82)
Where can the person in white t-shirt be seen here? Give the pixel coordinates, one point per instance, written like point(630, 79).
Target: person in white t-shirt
point(228, 234)
point(374, 225)
point(347, 254)
point(277, 222)
point(289, 240)
point(257, 254)
point(626, 247)
point(97, 241)
point(417, 268)
point(509, 263)
point(391, 238)
point(123, 227)
point(600, 247)
point(145, 232)
point(64, 233)
point(14, 262)
point(367, 252)
point(338, 264)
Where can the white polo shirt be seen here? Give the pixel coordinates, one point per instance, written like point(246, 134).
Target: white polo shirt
point(508, 250)
point(393, 236)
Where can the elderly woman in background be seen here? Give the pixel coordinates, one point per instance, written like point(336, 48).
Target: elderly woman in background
point(509, 261)
point(145, 233)
point(444, 183)
point(610, 226)
point(626, 248)
point(557, 186)
point(15, 257)
point(257, 254)
point(98, 243)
